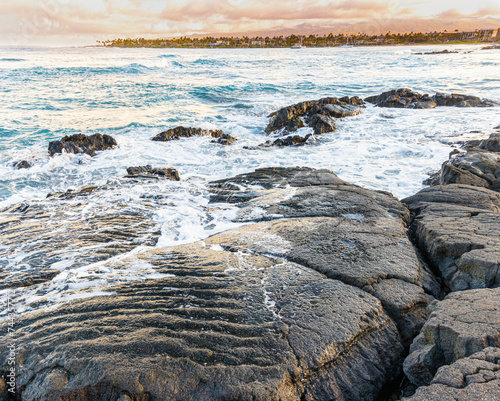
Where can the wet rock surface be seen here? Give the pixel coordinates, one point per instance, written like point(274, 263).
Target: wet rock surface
point(20, 164)
point(478, 166)
point(148, 171)
point(225, 139)
point(186, 132)
point(456, 227)
point(314, 302)
point(320, 115)
point(445, 51)
point(289, 140)
point(407, 98)
point(464, 323)
point(80, 143)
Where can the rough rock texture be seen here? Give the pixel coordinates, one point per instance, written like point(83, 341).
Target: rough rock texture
point(312, 303)
point(186, 132)
point(464, 323)
point(74, 228)
point(152, 172)
point(80, 143)
point(320, 115)
point(456, 227)
point(407, 98)
point(346, 232)
point(402, 98)
point(479, 166)
point(225, 139)
point(475, 378)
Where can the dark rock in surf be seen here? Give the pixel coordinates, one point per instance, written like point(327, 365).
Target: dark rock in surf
point(186, 132)
point(153, 172)
point(317, 114)
point(408, 99)
point(80, 143)
point(479, 166)
point(446, 51)
point(402, 98)
point(289, 140)
point(21, 164)
point(225, 139)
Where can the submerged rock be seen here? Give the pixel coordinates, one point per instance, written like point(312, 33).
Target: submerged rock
point(80, 143)
point(225, 139)
point(289, 140)
point(456, 227)
point(464, 323)
point(20, 164)
point(147, 171)
point(407, 98)
point(314, 302)
point(445, 51)
point(186, 132)
point(317, 114)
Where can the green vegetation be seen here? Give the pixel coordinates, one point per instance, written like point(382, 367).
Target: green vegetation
point(360, 39)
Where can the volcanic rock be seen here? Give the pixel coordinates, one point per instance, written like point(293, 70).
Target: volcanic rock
point(186, 132)
point(80, 143)
point(476, 377)
point(152, 172)
point(314, 114)
point(464, 323)
point(456, 227)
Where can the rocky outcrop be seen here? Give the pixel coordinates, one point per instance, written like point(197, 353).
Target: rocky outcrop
point(320, 115)
point(478, 166)
point(148, 171)
point(409, 99)
point(313, 300)
point(186, 132)
point(289, 140)
point(476, 377)
point(463, 324)
point(445, 51)
point(225, 139)
point(456, 226)
point(80, 143)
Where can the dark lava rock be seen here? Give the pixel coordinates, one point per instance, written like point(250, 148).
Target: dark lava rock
point(407, 98)
point(446, 51)
point(479, 166)
point(317, 114)
point(314, 302)
point(22, 164)
point(456, 227)
point(289, 140)
point(80, 143)
point(186, 132)
point(152, 172)
point(225, 139)
point(402, 98)
point(476, 377)
point(464, 323)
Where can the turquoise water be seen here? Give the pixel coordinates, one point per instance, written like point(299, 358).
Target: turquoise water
point(133, 94)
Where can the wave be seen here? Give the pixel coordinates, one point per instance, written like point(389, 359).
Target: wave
point(168, 56)
point(12, 59)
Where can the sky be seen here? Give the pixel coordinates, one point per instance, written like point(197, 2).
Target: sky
point(83, 22)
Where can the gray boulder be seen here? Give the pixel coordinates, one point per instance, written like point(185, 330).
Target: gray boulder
point(152, 172)
point(456, 227)
point(464, 323)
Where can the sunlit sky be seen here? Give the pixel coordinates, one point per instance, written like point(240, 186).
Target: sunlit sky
point(82, 22)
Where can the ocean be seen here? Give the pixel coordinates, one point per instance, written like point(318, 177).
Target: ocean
point(133, 94)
